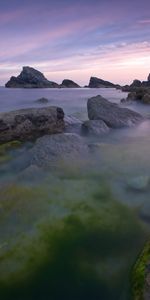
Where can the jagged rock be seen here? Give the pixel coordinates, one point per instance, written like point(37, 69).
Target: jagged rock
point(42, 100)
point(95, 127)
point(52, 149)
point(114, 116)
point(100, 83)
point(67, 83)
point(26, 124)
point(30, 78)
point(136, 83)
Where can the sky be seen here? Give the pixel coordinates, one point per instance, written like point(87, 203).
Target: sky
point(109, 39)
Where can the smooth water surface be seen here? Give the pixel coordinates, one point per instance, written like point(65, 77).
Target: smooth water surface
point(73, 232)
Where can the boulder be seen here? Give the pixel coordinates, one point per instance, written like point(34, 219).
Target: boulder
point(67, 83)
point(146, 99)
point(42, 100)
point(95, 127)
point(28, 124)
point(30, 78)
point(52, 149)
point(100, 83)
point(114, 116)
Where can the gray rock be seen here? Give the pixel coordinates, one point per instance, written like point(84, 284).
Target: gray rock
point(136, 83)
point(27, 124)
point(95, 127)
point(146, 98)
point(30, 78)
point(67, 83)
point(52, 149)
point(100, 83)
point(72, 124)
point(114, 116)
point(42, 100)
point(140, 183)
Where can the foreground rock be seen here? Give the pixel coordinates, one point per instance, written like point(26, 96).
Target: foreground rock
point(95, 127)
point(114, 116)
point(27, 124)
point(52, 149)
point(141, 275)
point(67, 83)
point(30, 78)
point(100, 83)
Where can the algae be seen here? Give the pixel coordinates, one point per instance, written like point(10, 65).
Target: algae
point(139, 273)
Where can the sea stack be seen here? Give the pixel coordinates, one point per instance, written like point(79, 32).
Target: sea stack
point(30, 78)
point(100, 83)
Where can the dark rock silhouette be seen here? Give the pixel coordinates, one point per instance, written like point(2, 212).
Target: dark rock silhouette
point(30, 78)
point(67, 83)
point(100, 83)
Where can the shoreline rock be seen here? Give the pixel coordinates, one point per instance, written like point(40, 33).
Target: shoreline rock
point(67, 83)
point(28, 124)
point(114, 116)
point(100, 83)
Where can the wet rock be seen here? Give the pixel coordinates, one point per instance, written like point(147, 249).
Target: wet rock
point(51, 149)
point(140, 183)
point(100, 83)
point(95, 127)
point(27, 124)
point(114, 116)
point(42, 100)
point(67, 83)
point(72, 124)
point(30, 78)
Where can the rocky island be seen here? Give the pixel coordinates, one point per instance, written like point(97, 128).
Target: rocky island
point(100, 83)
point(30, 78)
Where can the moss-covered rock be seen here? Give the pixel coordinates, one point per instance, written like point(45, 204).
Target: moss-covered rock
point(64, 239)
point(5, 150)
point(139, 274)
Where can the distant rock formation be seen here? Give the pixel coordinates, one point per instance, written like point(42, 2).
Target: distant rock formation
point(148, 77)
point(67, 83)
point(136, 84)
point(30, 78)
point(100, 83)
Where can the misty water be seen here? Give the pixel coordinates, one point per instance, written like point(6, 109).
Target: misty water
point(74, 231)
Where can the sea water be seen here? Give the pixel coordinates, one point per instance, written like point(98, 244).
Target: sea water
point(74, 231)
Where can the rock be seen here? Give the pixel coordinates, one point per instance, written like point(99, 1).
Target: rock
point(114, 116)
point(67, 83)
point(42, 100)
point(95, 127)
point(146, 99)
point(100, 83)
point(30, 78)
point(52, 149)
point(140, 183)
point(72, 124)
point(136, 83)
point(27, 124)
point(148, 77)
point(145, 212)
point(131, 96)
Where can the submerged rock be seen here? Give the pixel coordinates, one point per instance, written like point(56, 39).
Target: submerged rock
point(42, 100)
point(67, 83)
point(95, 127)
point(140, 183)
point(30, 78)
point(51, 149)
point(27, 124)
point(114, 116)
point(100, 83)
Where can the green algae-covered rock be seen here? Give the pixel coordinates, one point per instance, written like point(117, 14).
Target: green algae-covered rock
point(5, 150)
point(141, 274)
point(64, 238)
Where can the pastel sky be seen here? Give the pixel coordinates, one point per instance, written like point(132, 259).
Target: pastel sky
point(72, 39)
